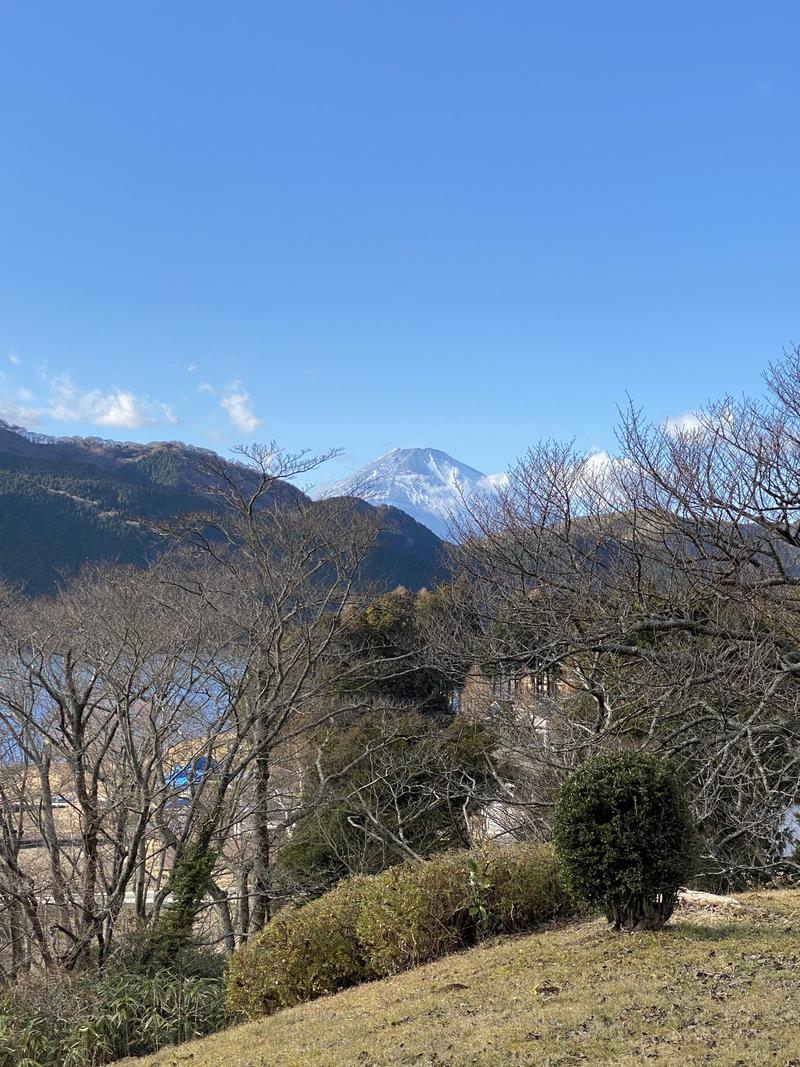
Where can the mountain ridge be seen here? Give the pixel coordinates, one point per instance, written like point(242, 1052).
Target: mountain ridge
point(65, 502)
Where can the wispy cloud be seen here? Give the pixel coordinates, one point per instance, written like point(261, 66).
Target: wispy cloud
point(14, 359)
point(17, 405)
point(206, 387)
point(236, 403)
point(192, 368)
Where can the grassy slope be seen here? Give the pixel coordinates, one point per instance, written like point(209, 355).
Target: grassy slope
point(720, 986)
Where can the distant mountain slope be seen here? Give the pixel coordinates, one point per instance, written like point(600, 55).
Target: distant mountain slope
point(424, 482)
point(408, 553)
point(68, 501)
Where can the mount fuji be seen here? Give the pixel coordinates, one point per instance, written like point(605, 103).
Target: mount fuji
point(426, 483)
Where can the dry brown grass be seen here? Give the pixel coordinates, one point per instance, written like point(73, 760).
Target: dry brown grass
point(719, 986)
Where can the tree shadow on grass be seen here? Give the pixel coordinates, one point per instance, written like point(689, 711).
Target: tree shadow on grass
point(723, 931)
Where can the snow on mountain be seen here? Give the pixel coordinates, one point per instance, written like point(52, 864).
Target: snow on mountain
point(425, 483)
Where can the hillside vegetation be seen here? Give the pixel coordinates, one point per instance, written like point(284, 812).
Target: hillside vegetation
point(76, 501)
point(718, 986)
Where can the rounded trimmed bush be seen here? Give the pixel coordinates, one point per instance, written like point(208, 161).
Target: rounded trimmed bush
point(625, 837)
point(376, 925)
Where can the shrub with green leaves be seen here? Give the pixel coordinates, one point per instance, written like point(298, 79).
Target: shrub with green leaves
point(65, 1020)
point(302, 953)
point(416, 912)
point(625, 837)
point(525, 887)
point(377, 925)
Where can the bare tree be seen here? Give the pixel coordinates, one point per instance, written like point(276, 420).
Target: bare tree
point(149, 717)
point(659, 590)
point(279, 575)
point(100, 692)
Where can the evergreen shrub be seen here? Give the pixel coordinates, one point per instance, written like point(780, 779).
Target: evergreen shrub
point(625, 837)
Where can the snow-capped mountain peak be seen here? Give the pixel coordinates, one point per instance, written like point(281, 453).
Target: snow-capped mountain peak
point(426, 483)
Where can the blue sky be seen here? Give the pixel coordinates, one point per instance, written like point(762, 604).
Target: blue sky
point(369, 223)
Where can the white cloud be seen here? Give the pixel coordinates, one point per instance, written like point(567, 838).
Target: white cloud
point(64, 401)
point(14, 359)
point(114, 407)
point(598, 471)
point(599, 462)
point(495, 481)
point(688, 422)
point(206, 387)
point(191, 368)
point(117, 408)
point(236, 403)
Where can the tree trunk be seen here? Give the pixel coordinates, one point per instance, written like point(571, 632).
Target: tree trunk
point(261, 903)
point(638, 913)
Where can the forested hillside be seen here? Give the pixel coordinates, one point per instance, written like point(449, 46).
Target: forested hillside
point(65, 503)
